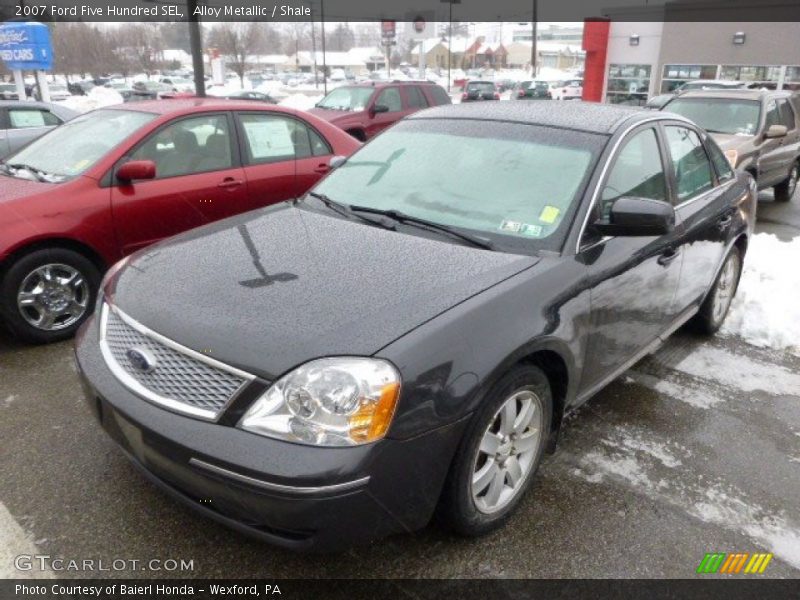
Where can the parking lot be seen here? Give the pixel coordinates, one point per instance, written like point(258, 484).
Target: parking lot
point(695, 450)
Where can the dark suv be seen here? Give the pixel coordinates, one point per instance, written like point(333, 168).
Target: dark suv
point(366, 109)
point(758, 130)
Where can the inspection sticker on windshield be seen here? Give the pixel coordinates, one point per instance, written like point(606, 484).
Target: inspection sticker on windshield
point(521, 228)
point(549, 214)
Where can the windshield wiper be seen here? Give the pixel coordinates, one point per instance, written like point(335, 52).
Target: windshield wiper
point(345, 210)
point(404, 218)
point(40, 175)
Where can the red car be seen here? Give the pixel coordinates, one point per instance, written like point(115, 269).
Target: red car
point(112, 181)
point(365, 109)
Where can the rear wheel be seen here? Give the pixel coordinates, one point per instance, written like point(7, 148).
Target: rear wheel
point(786, 188)
point(716, 305)
point(499, 453)
point(47, 294)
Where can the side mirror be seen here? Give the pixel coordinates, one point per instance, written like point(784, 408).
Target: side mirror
point(632, 216)
point(137, 169)
point(776, 131)
point(380, 108)
point(336, 161)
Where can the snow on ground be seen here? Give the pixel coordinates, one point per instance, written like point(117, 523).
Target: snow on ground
point(98, 97)
point(766, 311)
point(300, 101)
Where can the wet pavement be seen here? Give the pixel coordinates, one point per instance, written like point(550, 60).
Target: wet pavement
point(696, 449)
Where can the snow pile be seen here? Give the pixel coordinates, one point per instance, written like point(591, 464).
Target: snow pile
point(766, 311)
point(300, 101)
point(98, 97)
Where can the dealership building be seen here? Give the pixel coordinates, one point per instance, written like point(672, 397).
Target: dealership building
point(627, 62)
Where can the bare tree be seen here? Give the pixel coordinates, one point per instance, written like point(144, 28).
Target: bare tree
point(237, 42)
point(341, 39)
point(140, 45)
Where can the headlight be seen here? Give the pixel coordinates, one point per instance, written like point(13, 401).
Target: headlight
point(732, 156)
point(328, 402)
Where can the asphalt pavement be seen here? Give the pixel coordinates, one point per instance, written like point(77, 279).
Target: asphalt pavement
point(695, 450)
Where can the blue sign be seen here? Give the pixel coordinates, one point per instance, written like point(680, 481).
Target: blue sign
point(26, 46)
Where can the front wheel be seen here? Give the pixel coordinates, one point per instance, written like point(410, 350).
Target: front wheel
point(47, 294)
point(716, 305)
point(499, 453)
point(786, 188)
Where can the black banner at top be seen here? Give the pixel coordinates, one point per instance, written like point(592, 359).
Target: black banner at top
point(399, 10)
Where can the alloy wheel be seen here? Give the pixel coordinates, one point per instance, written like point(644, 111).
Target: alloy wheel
point(507, 451)
point(53, 297)
point(725, 287)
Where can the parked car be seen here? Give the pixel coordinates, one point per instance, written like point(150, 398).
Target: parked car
point(365, 109)
point(503, 85)
point(250, 95)
point(571, 89)
point(122, 88)
point(531, 89)
point(80, 88)
point(8, 91)
point(24, 121)
point(475, 91)
point(411, 334)
point(149, 90)
point(178, 84)
point(58, 92)
point(658, 102)
point(758, 130)
point(114, 180)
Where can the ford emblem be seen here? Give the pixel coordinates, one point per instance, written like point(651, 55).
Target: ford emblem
point(141, 359)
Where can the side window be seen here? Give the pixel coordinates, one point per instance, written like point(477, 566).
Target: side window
point(439, 95)
point(415, 97)
point(189, 146)
point(786, 114)
point(21, 118)
point(274, 138)
point(690, 162)
point(723, 166)
point(637, 171)
point(390, 97)
point(773, 116)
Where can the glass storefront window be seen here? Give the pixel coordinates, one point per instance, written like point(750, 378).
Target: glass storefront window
point(628, 84)
point(676, 75)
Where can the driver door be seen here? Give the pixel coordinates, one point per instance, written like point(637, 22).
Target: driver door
point(633, 279)
point(389, 97)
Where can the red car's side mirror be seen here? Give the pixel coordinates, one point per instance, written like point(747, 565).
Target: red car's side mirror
point(137, 169)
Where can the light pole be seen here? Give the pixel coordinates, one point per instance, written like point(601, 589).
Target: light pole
point(533, 39)
point(449, 37)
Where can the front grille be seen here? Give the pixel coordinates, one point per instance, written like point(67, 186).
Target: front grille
point(178, 379)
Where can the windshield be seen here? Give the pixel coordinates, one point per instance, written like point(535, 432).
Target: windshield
point(71, 148)
point(515, 184)
point(720, 115)
point(347, 98)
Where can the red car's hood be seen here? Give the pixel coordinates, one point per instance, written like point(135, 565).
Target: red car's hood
point(332, 116)
point(12, 188)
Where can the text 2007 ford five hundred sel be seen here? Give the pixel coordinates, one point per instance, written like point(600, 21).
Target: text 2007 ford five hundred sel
point(407, 338)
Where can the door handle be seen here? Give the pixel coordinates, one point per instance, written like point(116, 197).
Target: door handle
point(323, 168)
point(723, 223)
point(668, 256)
point(230, 182)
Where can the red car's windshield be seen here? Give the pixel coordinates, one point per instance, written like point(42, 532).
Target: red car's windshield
point(71, 148)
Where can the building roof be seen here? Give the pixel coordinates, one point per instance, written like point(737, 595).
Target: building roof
point(459, 45)
point(583, 116)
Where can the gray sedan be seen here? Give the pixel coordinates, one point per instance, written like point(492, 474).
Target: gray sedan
point(24, 121)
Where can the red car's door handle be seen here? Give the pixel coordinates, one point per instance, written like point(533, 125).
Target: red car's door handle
point(230, 182)
point(323, 168)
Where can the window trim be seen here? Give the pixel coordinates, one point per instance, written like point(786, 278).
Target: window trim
point(235, 157)
point(244, 148)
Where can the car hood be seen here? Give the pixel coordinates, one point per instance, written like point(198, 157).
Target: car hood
point(271, 289)
point(728, 141)
point(332, 116)
point(14, 188)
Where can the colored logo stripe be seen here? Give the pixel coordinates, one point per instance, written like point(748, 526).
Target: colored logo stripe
point(720, 562)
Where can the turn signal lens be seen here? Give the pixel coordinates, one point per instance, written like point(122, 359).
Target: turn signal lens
point(732, 156)
point(371, 421)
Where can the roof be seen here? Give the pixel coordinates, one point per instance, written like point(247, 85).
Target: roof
point(583, 116)
point(746, 94)
point(181, 105)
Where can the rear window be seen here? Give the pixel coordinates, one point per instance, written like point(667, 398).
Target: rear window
point(480, 86)
point(438, 95)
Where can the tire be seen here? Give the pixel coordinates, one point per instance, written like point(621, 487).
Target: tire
point(786, 188)
point(72, 280)
point(715, 307)
point(466, 508)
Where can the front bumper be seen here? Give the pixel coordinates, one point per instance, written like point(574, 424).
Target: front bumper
point(291, 495)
